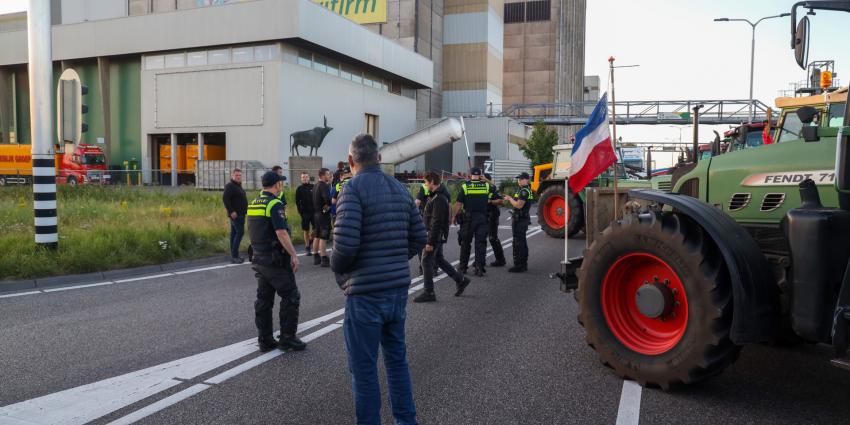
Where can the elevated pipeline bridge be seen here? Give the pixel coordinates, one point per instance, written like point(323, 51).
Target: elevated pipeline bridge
point(652, 112)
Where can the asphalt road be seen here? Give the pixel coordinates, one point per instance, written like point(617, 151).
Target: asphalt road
point(180, 349)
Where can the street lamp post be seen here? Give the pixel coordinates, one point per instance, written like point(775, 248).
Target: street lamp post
point(680, 132)
point(752, 51)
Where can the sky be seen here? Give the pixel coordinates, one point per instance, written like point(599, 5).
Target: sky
point(683, 54)
point(8, 6)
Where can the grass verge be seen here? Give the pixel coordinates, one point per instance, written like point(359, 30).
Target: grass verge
point(113, 227)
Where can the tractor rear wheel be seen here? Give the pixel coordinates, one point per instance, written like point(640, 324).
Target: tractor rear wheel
point(551, 212)
point(656, 302)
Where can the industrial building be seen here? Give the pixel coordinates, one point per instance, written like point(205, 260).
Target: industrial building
point(242, 75)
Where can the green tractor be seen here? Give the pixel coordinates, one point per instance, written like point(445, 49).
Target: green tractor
point(549, 182)
point(749, 247)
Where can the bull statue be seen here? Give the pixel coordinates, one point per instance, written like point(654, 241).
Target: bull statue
point(309, 138)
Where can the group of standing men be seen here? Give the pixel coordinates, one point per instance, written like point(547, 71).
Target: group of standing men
point(378, 230)
point(477, 211)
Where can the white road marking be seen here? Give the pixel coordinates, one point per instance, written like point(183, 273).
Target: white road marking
point(68, 288)
point(136, 279)
point(20, 294)
point(629, 411)
point(160, 405)
point(89, 402)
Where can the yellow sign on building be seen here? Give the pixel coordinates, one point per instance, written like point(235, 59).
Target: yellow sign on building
point(359, 11)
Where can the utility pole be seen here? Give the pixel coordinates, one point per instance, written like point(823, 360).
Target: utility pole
point(41, 118)
point(752, 53)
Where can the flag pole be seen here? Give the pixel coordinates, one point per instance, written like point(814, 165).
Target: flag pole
point(614, 136)
point(567, 222)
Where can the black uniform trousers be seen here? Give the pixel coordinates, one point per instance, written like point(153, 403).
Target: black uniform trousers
point(280, 280)
point(474, 227)
point(493, 235)
point(432, 262)
point(519, 227)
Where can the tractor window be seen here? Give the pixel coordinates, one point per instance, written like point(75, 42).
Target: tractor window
point(836, 115)
point(544, 174)
point(754, 138)
point(791, 128)
point(90, 159)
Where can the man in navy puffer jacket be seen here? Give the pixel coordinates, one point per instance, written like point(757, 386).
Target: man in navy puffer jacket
point(378, 230)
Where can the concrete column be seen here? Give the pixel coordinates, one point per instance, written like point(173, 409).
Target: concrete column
point(200, 146)
point(173, 160)
point(41, 113)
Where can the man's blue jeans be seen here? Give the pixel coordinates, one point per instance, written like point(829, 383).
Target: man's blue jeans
point(372, 320)
point(237, 230)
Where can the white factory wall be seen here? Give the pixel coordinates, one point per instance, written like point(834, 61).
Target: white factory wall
point(238, 99)
point(259, 104)
point(308, 95)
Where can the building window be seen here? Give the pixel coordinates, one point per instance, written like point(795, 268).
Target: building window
point(482, 148)
point(305, 59)
point(266, 53)
point(196, 58)
point(372, 125)
point(218, 57)
point(538, 10)
point(177, 60)
point(243, 54)
point(154, 62)
point(514, 12)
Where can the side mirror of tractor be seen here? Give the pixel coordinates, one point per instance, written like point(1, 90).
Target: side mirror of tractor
point(807, 114)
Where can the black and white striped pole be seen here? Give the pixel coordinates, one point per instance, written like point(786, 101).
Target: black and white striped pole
point(41, 119)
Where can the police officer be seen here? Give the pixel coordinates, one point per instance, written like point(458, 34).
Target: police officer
point(473, 198)
point(336, 190)
point(275, 263)
point(521, 203)
point(420, 201)
point(493, 213)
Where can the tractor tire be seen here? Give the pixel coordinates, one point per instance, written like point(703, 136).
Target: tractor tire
point(72, 181)
point(551, 211)
point(656, 301)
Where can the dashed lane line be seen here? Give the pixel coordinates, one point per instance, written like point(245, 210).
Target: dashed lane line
point(629, 411)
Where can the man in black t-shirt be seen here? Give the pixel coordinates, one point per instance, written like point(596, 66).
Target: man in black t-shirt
point(304, 203)
point(322, 217)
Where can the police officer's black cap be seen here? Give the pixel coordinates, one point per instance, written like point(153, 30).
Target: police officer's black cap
point(475, 171)
point(523, 175)
point(270, 178)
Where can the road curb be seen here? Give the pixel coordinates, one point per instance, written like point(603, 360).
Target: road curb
point(110, 275)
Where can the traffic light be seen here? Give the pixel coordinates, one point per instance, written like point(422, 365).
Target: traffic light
point(71, 108)
point(84, 109)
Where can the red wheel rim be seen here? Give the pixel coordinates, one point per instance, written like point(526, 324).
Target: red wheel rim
point(632, 328)
point(553, 211)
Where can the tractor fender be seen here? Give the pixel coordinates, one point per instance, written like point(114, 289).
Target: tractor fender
point(755, 294)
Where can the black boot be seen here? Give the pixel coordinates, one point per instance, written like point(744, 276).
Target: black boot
point(461, 286)
point(291, 343)
point(425, 297)
point(462, 269)
point(326, 262)
point(498, 263)
point(317, 259)
point(479, 271)
point(267, 344)
point(519, 268)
